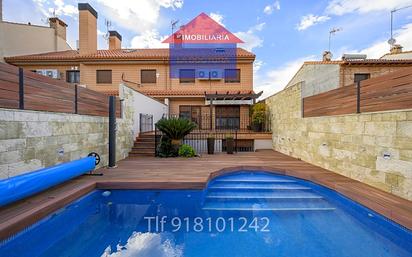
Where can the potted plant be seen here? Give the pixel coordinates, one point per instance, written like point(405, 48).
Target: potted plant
point(175, 129)
point(210, 144)
point(258, 116)
point(230, 143)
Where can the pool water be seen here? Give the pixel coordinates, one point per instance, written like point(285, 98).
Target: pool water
point(240, 214)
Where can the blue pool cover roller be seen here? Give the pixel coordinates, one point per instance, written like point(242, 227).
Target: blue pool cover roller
point(19, 187)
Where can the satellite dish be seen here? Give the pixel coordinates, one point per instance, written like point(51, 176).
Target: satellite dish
point(392, 41)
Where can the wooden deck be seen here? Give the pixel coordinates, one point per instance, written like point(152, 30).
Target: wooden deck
point(179, 173)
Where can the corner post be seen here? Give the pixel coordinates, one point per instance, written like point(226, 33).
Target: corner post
point(358, 85)
point(112, 131)
point(21, 89)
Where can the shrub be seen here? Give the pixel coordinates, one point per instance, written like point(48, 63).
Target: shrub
point(186, 151)
point(259, 113)
point(165, 147)
point(175, 128)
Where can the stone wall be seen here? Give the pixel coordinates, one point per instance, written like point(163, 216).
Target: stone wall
point(30, 140)
point(315, 84)
point(374, 148)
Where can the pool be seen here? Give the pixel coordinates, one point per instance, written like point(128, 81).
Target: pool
point(240, 214)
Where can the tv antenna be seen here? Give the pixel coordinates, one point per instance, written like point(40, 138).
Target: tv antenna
point(392, 40)
point(332, 33)
point(173, 24)
point(46, 20)
point(108, 25)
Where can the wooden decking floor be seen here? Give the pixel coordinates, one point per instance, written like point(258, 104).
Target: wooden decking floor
point(179, 173)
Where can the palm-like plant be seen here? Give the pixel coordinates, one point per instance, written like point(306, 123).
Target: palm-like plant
point(176, 128)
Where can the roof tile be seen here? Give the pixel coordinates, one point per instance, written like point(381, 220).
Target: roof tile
point(149, 53)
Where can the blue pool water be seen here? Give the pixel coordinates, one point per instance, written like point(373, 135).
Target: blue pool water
point(241, 214)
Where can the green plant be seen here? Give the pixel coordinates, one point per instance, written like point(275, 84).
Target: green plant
point(186, 151)
point(165, 148)
point(228, 136)
point(175, 128)
point(259, 113)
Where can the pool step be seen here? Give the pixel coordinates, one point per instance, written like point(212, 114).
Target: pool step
point(262, 192)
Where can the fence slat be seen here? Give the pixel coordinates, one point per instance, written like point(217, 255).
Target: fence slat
point(392, 91)
point(31, 91)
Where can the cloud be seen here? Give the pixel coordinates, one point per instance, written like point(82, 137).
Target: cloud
point(64, 9)
point(310, 20)
point(403, 37)
point(57, 7)
point(149, 39)
point(138, 16)
point(146, 245)
point(271, 7)
point(250, 38)
point(276, 79)
point(340, 7)
point(217, 17)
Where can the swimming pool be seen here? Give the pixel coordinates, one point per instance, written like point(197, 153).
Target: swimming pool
point(240, 214)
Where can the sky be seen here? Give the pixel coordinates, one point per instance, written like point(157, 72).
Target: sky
point(283, 34)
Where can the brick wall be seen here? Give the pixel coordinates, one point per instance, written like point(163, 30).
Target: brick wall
point(373, 148)
point(347, 73)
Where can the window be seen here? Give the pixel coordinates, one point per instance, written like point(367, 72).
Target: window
point(227, 117)
point(232, 75)
point(148, 76)
point(361, 76)
point(191, 112)
point(73, 76)
point(187, 76)
point(104, 76)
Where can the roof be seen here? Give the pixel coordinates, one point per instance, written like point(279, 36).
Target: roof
point(364, 62)
point(117, 54)
point(397, 56)
point(191, 93)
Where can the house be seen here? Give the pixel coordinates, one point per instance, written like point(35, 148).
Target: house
point(325, 75)
point(213, 103)
point(23, 39)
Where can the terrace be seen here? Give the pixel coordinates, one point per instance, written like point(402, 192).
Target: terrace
point(157, 173)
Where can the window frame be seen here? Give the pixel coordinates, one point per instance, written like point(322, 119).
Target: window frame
point(237, 80)
point(151, 81)
point(99, 80)
point(187, 80)
point(72, 71)
point(368, 75)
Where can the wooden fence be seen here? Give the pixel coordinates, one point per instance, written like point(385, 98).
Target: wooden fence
point(21, 89)
point(392, 91)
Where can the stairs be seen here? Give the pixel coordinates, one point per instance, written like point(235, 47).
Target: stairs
point(144, 145)
point(262, 192)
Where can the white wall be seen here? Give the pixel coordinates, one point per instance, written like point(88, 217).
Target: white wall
point(145, 105)
point(21, 39)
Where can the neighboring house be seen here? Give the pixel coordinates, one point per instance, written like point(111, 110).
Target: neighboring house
point(397, 54)
point(20, 39)
point(212, 103)
point(325, 75)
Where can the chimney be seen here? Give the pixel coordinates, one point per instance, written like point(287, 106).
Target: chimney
point(87, 29)
point(396, 49)
point(59, 27)
point(326, 56)
point(1, 10)
point(115, 40)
